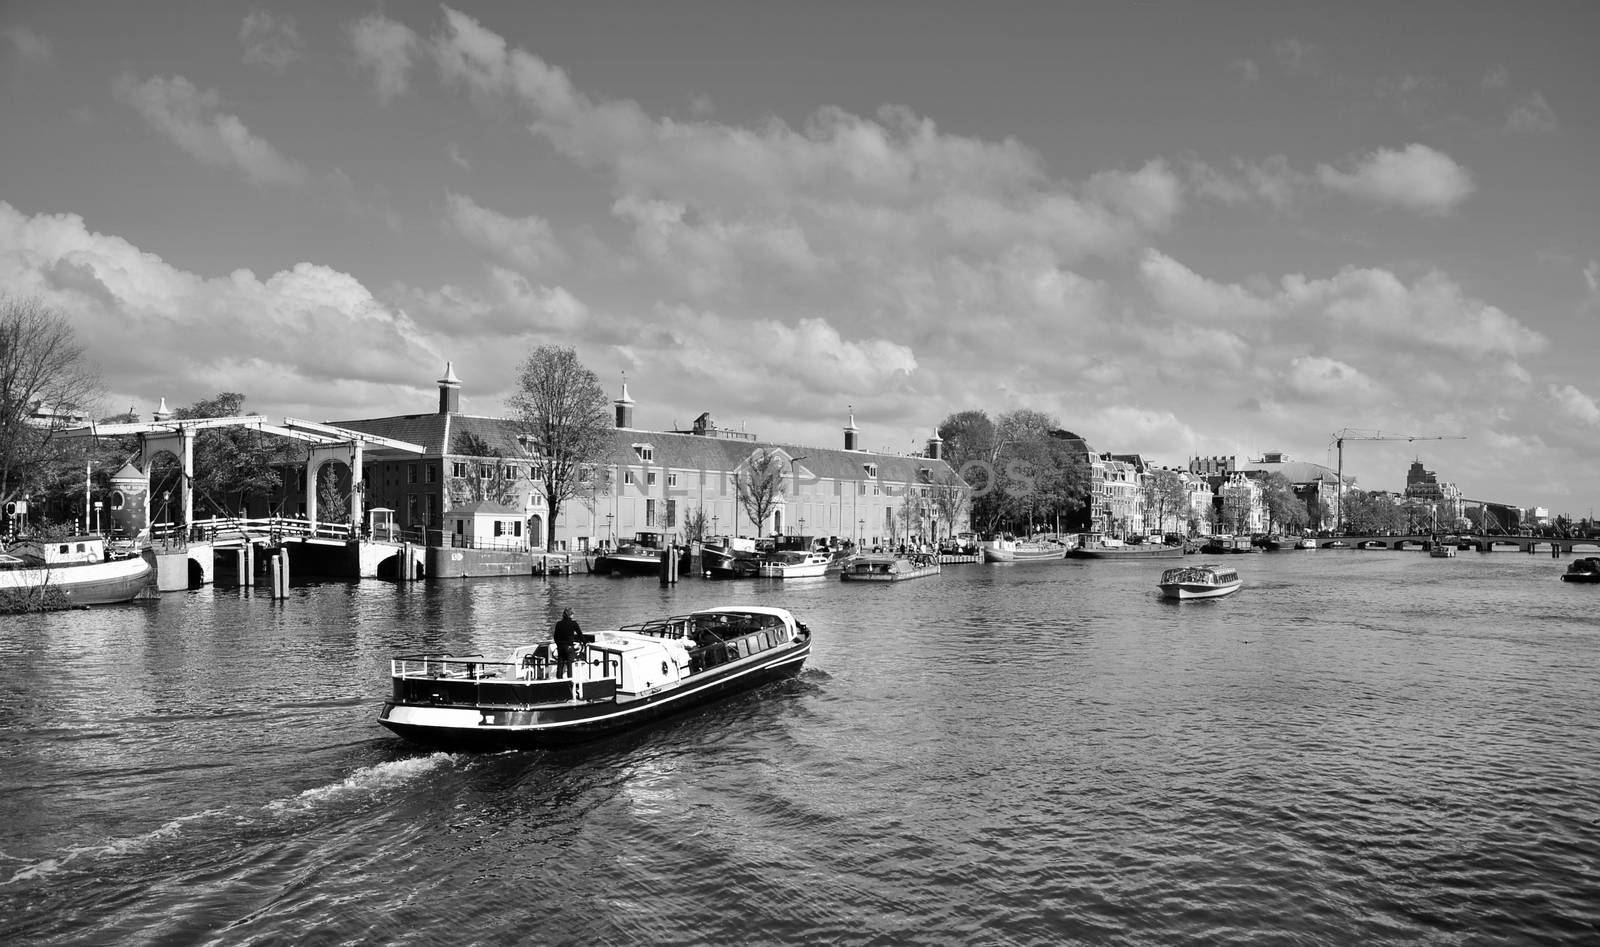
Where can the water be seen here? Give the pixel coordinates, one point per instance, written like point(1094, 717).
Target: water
point(1359, 747)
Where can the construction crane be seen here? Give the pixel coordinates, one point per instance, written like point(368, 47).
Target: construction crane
point(1350, 434)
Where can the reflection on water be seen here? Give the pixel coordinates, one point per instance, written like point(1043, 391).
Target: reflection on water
point(1359, 746)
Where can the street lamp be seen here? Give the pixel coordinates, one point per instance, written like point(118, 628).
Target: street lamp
point(609, 535)
point(714, 519)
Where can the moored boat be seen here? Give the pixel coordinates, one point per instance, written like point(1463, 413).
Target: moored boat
point(1586, 569)
point(1205, 581)
point(69, 572)
point(730, 557)
point(1439, 550)
point(641, 556)
point(1305, 542)
point(1117, 549)
point(794, 564)
point(887, 568)
point(1007, 549)
point(622, 679)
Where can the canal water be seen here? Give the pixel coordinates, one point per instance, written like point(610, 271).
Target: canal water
point(1359, 747)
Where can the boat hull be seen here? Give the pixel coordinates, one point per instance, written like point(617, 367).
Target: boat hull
point(477, 727)
point(629, 563)
point(1129, 552)
point(993, 554)
point(95, 583)
point(1194, 590)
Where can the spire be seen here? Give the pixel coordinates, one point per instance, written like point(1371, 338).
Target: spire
point(851, 431)
point(162, 413)
point(624, 405)
point(449, 391)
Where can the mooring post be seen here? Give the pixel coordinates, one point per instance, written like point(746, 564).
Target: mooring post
point(247, 564)
point(669, 566)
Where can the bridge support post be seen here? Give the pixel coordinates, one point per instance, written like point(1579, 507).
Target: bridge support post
point(278, 566)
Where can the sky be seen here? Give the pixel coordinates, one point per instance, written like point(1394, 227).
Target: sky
point(1180, 228)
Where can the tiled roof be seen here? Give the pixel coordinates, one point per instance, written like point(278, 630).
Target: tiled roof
point(439, 433)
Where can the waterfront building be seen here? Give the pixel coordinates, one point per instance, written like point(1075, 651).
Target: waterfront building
point(1444, 498)
point(1316, 485)
point(652, 480)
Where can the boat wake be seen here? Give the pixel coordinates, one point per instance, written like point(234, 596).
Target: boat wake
point(367, 781)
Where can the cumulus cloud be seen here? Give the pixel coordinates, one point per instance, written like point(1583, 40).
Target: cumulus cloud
point(524, 242)
point(384, 47)
point(1416, 178)
point(1532, 115)
point(269, 41)
point(30, 47)
point(1575, 404)
point(1270, 180)
point(306, 326)
point(1245, 69)
point(1186, 294)
point(193, 119)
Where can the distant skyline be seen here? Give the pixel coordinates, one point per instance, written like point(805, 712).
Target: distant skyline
point(1183, 229)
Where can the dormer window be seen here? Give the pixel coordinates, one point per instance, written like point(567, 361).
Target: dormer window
point(926, 473)
point(871, 469)
point(646, 452)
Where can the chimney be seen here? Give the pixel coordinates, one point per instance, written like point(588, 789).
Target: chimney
point(449, 391)
point(624, 406)
point(850, 431)
point(935, 447)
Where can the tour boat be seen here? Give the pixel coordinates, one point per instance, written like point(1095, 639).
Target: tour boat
point(880, 567)
point(1586, 569)
point(68, 572)
point(793, 564)
point(1305, 542)
point(1439, 550)
point(1199, 582)
point(1005, 549)
point(621, 679)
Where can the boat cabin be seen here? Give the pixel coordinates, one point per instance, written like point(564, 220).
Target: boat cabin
point(69, 550)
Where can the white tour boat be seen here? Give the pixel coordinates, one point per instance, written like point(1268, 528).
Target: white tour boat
point(1205, 581)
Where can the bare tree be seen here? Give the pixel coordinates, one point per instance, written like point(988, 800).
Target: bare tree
point(563, 409)
point(695, 524)
point(759, 485)
point(44, 380)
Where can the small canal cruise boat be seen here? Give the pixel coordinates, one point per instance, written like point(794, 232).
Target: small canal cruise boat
point(641, 556)
point(1205, 581)
point(880, 567)
point(69, 572)
point(1586, 569)
point(621, 679)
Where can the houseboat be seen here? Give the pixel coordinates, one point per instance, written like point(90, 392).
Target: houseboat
point(68, 572)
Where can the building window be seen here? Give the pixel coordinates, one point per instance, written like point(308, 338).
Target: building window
point(430, 474)
point(486, 471)
point(649, 512)
point(650, 479)
point(458, 468)
point(672, 480)
point(411, 473)
point(627, 477)
point(645, 451)
point(672, 514)
point(412, 508)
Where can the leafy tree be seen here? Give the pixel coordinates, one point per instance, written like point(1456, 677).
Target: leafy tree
point(561, 405)
point(1285, 511)
point(233, 464)
point(333, 503)
point(1164, 498)
point(43, 378)
point(970, 448)
point(759, 483)
point(1371, 512)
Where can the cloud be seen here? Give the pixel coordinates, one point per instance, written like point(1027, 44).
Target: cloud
point(385, 47)
point(1316, 377)
point(1245, 69)
point(1187, 295)
point(31, 47)
point(457, 158)
point(303, 328)
point(1591, 278)
point(1270, 180)
point(195, 123)
point(1417, 178)
point(1532, 115)
point(1498, 77)
point(524, 242)
point(1296, 56)
point(270, 42)
point(1574, 404)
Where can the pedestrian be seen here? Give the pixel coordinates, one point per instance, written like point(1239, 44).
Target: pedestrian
point(567, 635)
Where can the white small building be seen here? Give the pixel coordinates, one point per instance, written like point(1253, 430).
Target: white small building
point(486, 524)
